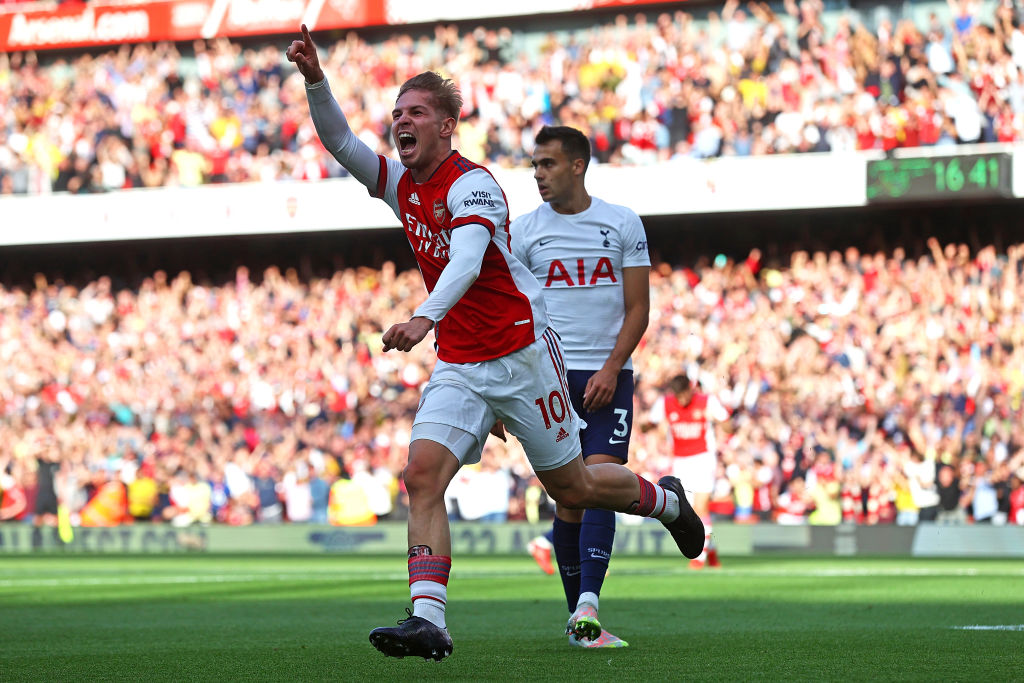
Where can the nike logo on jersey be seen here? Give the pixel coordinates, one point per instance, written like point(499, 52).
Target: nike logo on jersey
point(613, 441)
point(543, 242)
point(414, 199)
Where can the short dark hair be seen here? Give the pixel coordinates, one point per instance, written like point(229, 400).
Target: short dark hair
point(574, 143)
point(444, 90)
point(679, 384)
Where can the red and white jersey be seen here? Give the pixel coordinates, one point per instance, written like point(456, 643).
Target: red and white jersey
point(792, 510)
point(503, 310)
point(691, 427)
point(578, 260)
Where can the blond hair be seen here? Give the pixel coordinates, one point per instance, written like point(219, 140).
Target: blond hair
point(446, 93)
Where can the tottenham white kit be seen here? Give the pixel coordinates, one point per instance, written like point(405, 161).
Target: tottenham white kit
point(578, 260)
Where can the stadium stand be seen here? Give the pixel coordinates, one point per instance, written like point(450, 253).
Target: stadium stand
point(748, 80)
point(839, 368)
point(242, 389)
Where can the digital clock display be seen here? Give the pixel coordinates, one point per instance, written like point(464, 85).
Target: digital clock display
point(939, 177)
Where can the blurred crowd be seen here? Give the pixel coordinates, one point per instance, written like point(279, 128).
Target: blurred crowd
point(870, 388)
point(735, 79)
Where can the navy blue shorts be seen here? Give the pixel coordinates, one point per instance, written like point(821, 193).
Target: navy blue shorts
point(609, 428)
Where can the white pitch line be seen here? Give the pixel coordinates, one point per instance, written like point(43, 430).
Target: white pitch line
point(996, 627)
point(840, 573)
point(188, 579)
point(10, 581)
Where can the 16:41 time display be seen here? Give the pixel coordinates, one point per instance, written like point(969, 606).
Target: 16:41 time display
point(969, 175)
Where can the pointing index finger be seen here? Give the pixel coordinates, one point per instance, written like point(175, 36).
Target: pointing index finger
point(305, 35)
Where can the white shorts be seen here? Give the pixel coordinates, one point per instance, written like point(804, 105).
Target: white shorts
point(697, 472)
point(526, 390)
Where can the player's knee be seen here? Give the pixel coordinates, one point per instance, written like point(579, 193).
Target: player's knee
point(421, 480)
point(574, 497)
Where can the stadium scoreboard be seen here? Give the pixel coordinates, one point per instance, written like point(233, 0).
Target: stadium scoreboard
point(968, 176)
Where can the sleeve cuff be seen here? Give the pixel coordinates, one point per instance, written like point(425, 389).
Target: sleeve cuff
point(318, 92)
point(419, 314)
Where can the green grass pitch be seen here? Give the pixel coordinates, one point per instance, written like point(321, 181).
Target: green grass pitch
point(274, 618)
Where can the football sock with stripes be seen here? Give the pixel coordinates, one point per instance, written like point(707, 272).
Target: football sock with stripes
point(566, 539)
point(597, 533)
point(655, 502)
point(428, 586)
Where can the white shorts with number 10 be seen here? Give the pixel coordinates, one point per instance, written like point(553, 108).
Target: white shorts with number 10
point(526, 390)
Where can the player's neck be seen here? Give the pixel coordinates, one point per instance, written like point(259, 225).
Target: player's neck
point(578, 202)
point(422, 174)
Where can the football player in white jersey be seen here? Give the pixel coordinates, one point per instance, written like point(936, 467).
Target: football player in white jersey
point(591, 259)
point(497, 359)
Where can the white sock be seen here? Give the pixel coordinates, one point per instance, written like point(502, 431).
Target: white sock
point(587, 598)
point(671, 507)
point(429, 601)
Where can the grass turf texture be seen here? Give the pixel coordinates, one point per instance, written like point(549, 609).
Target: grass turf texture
point(190, 617)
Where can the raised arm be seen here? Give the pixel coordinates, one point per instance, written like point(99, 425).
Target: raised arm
point(330, 122)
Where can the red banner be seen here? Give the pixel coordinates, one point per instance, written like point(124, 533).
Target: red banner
point(97, 24)
point(80, 25)
point(112, 22)
point(595, 4)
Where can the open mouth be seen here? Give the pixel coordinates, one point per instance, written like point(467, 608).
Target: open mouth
point(406, 142)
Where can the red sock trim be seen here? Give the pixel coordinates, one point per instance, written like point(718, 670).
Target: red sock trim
point(430, 568)
point(428, 597)
point(648, 497)
point(664, 503)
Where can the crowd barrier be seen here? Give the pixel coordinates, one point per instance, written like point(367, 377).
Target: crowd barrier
point(924, 540)
point(683, 187)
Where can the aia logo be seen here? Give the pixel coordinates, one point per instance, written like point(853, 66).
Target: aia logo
point(438, 210)
point(582, 274)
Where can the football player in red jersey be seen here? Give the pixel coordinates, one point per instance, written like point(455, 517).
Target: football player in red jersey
point(497, 359)
point(690, 416)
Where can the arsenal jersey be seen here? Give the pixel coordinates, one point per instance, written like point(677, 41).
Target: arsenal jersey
point(690, 427)
point(502, 311)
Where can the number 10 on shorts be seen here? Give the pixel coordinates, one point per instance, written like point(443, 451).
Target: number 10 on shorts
point(554, 409)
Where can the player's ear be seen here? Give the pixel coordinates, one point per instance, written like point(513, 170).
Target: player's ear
point(579, 166)
point(448, 127)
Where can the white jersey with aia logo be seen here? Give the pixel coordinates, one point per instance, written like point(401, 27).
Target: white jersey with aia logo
point(578, 260)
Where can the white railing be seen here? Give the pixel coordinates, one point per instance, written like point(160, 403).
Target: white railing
point(728, 184)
